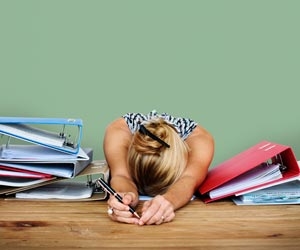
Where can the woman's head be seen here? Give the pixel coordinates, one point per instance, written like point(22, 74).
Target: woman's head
point(153, 165)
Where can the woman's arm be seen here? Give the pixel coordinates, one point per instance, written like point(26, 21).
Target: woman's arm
point(201, 153)
point(116, 142)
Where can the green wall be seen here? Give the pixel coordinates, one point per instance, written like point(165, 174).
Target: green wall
point(233, 66)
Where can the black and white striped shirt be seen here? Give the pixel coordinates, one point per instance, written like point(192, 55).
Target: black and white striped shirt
point(184, 126)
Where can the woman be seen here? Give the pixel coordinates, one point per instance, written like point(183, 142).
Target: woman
point(157, 155)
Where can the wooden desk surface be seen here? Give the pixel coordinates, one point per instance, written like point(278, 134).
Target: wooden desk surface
point(218, 225)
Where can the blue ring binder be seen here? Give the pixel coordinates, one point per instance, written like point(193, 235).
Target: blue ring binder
point(29, 129)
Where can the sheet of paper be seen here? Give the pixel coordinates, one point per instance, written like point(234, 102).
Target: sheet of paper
point(256, 176)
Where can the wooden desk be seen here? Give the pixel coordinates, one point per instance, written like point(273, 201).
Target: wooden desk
point(219, 225)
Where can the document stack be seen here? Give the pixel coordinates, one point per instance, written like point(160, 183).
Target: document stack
point(286, 193)
point(41, 156)
point(252, 175)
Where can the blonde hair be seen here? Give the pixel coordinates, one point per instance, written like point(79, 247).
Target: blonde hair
point(153, 166)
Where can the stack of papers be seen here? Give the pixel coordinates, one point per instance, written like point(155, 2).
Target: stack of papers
point(261, 166)
point(286, 193)
point(36, 151)
point(25, 165)
point(254, 177)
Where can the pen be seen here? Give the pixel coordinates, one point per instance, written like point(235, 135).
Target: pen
point(110, 190)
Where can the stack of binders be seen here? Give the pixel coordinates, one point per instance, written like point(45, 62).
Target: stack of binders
point(40, 152)
point(262, 166)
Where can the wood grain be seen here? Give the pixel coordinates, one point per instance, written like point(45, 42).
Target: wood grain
point(218, 225)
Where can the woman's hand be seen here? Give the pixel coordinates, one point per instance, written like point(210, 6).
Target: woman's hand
point(119, 211)
point(157, 211)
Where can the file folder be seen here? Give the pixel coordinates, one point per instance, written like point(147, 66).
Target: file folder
point(92, 172)
point(20, 173)
point(60, 134)
point(36, 153)
point(68, 167)
point(264, 152)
